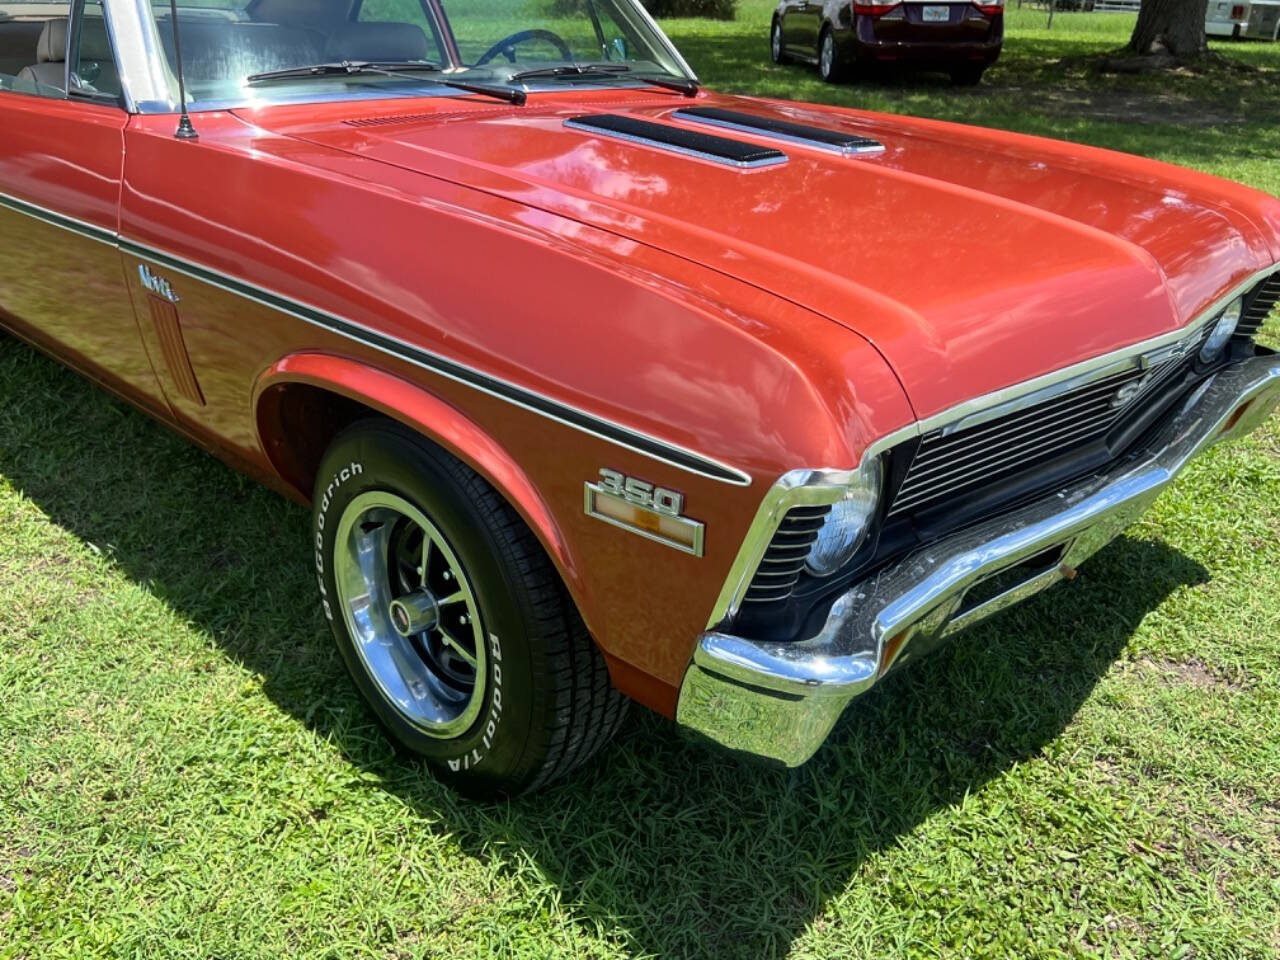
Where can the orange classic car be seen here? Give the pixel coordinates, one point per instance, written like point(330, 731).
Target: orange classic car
point(604, 388)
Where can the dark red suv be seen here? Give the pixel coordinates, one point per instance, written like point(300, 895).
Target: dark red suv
point(838, 35)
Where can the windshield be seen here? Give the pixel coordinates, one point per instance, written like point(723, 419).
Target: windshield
point(505, 42)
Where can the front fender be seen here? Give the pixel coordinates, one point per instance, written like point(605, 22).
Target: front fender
point(422, 411)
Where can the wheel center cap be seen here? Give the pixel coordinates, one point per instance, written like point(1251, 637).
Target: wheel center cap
point(414, 613)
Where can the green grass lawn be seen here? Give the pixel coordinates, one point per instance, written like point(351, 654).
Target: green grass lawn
point(185, 770)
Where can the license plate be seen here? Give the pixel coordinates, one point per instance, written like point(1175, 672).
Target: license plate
point(936, 14)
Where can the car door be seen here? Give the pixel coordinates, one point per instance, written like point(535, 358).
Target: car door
point(800, 27)
point(790, 16)
point(61, 155)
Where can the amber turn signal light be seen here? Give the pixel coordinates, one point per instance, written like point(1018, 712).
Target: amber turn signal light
point(673, 530)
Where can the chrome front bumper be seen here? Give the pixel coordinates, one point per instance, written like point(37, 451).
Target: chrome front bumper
point(780, 699)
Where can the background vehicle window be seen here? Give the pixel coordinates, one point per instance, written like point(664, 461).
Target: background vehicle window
point(33, 47)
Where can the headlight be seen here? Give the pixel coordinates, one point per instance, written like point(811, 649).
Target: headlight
point(1223, 330)
point(847, 524)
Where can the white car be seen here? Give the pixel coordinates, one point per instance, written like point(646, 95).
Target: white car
point(1259, 19)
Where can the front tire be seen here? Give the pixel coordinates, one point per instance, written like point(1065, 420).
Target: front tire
point(451, 619)
point(831, 67)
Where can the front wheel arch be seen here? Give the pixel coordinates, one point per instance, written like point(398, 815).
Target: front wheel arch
point(306, 400)
point(454, 625)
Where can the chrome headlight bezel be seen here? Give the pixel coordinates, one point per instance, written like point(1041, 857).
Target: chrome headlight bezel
point(1224, 328)
point(847, 525)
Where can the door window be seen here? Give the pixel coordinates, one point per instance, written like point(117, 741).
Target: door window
point(94, 73)
point(35, 43)
point(33, 47)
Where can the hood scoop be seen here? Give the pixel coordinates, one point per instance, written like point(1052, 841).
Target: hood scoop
point(833, 141)
point(689, 143)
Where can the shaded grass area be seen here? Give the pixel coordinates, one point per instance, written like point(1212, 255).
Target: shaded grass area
point(185, 770)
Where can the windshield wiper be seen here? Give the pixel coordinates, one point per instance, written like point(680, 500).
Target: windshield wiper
point(400, 70)
point(679, 84)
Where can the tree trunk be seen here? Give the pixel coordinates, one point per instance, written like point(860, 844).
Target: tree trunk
point(1171, 26)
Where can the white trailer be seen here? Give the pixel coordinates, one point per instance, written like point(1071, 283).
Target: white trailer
point(1258, 19)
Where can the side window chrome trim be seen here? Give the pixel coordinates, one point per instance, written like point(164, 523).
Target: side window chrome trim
point(76, 94)
point(75, 10)
point(144, 72)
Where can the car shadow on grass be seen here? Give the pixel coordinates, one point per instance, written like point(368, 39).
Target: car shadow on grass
point(664, 845)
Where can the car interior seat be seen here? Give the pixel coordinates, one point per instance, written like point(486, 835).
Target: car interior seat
point(49, 72)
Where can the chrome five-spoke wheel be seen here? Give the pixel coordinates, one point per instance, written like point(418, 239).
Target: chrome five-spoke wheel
point(451, 618)
point(411, 610)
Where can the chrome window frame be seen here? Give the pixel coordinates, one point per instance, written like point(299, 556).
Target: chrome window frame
point(145, 80)
point(815, 487)
point(74, 13)
point(647, 17)
point(149, 87)
point(75, 28)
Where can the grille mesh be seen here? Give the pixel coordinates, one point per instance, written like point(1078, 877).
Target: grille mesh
point(964, 461)
point(1260, 307)
point(783, 562)
point(946, 466)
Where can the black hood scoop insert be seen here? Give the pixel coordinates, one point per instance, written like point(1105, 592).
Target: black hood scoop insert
point(689, 143)
point(833, 141)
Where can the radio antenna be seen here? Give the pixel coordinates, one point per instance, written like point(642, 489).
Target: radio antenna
point(185, 130)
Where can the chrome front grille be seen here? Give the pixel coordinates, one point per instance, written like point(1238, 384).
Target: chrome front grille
point(783, 562)
point(995, 454)
point(948, 465)
point(1260, 306)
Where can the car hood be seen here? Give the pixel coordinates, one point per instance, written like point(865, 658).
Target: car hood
point(972, 259)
